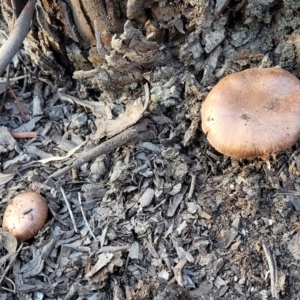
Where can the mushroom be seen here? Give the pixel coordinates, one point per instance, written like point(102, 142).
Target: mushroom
point(253, 113)
point(25, 215)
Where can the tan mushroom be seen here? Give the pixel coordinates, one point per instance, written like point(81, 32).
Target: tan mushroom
point(253, 113)
point(25, 215)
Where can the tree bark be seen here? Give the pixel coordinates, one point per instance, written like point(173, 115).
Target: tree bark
point(111, 45)
point(114, 47)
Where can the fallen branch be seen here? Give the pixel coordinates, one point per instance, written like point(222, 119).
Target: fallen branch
point(135, 134)
point(17, 35)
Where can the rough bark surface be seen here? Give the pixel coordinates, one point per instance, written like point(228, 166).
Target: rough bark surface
point(167, 218)
point(114, 46)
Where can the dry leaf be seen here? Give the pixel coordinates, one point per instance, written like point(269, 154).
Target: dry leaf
point(4, 178)
point(7, 142)
point(109, 128)
point(103, 260)
point(28, 126)
point(99, 109)
point(146, 198)
point(9, 242)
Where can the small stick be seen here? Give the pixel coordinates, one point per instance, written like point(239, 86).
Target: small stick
point(24, 135)
point(273, 270)
point(84, 218)
point(276, 277)
point(70, 211)
point(192, 187)
point(17, 35)
point(9, 290)
point(12, 283)
point(103, 236)
point(139, 132)
point(18, 103)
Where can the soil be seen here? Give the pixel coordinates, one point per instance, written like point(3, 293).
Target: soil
point(154, 212)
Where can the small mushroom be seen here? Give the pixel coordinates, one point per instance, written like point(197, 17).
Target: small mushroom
point(25, 215)
point(253, 113)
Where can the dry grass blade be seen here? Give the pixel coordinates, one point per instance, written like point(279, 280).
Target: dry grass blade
point(84, 218)
point(4, 178)
point(58, 158)
point(70, 210)
point(4, 82)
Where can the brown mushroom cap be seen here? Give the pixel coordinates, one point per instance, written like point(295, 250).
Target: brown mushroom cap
point(253, 113)
point(25, 215)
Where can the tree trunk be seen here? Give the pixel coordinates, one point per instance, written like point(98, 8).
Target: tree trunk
point(115, 46)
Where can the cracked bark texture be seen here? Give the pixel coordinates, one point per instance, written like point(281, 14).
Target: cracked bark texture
point(115, 46)
point(111, 45)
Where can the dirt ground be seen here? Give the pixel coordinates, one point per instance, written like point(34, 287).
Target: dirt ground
point(164, 216)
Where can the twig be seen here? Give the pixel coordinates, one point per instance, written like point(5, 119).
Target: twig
point(84, 218)
point(47, 81)
point(17, 35)
point(103, 235)
point(192, 187)
point(10, 263)
point(147, 95)
point(24, 135)
point(139, 132)
point(276, 288)
point(9, 290)
point(18, 103)
point(13, 284)
point(70, 210)
point(273, 271)
point(38, 101)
